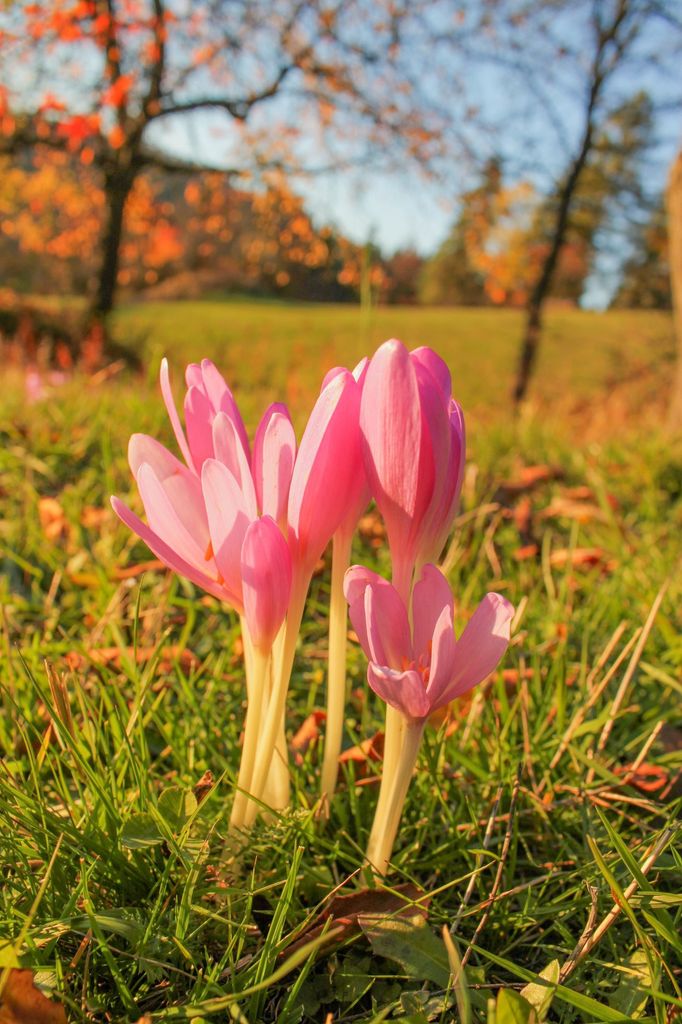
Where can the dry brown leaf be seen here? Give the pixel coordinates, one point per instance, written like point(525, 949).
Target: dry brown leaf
point(204, 786)
point(22, 1003)
point(530, 477)
point(579, 511)
point(526, 552)
point(114, 656)
point(136, 570)
point(93, 517)
point(647, 778)
point(371, 749)
point(577, 557)
point(306, 734)
point(343, 913)
point(54, 523)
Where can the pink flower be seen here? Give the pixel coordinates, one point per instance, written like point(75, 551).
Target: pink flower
point(324, 477)
point(198, 513)
point(266, 580)
point(422, 669)
point(413, 445)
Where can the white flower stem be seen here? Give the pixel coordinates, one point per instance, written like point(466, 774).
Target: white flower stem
point(259, 668)
point(275, 714)
point(389, 811)
point(336, 667)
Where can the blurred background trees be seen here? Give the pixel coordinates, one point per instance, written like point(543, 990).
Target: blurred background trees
point(162, 149)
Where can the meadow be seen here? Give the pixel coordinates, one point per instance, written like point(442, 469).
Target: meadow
point(537, 872)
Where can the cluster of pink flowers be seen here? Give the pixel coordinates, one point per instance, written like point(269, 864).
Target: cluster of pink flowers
point(247, 523)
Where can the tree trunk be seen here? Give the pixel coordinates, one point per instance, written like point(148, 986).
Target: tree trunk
point(117, 189)
point(674, 208)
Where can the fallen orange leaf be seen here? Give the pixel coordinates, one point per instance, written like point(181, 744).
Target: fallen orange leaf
point(22, 1003)
point(306, 734)
point(54, 523)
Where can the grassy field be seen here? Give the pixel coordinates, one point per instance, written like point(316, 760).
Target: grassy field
point(543, 815)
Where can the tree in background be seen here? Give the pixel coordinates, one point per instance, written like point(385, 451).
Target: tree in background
point(451, 277)
point(98, 78)
point(674, 208)
point(645, 281)
point(611, 41)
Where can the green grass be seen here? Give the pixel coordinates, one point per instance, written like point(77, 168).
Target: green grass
point(131, 899)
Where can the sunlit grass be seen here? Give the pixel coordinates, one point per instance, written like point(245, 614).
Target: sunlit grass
point(149, 907)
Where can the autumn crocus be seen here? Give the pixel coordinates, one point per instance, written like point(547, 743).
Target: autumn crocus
point(413, 446)
point(199, 512)
point(321, 492)
point(417, 669)
point(357, 500)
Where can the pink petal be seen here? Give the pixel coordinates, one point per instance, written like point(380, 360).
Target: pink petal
point(388, 628)
point(169, 557)
point(266, 579)
point(274, 453)
point(194, 377)
point(199, 421)
point(481, 646)
point(222, 400)
point(355, 582)
point(173, 414)
point(435, 409)
point(398, 461)
point(443, 659)
point(378, 616)
point(430, 596)
point(181, 485)
point(436, 366)
point(229, 450)
point(228, 520)
point(323, 471)
point(187, 538)
point(404, 691)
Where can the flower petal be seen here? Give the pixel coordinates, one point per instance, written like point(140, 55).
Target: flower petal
point(274, 454)
point(266, 580)
point(443, 659)
point(199, 420)
point(162, 505)
point(436, 366)
point(430, 596)
point(228, 520)
point(323, 471)
point(481, 646)
point(388, 628)
point(229, 450)
point(222, 400)
point(169, 557)
point(404, 691)
point(173, 413)
point(180, 484)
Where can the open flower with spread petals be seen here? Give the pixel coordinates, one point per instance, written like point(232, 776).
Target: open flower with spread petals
point(198, 512)
point(418, 669)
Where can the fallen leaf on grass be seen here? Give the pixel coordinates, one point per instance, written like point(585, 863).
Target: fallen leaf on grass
point(93, 517)
point(22, 1003)
point(306, 734)
point(204, 786)
point(578, 557)
point(579, 511)
point(54, 523)
point(647, 778)
point(114, 656)
point(530, 477)
point(526, 552)
point(371, 749)
point(131, 571)
point(346, 912)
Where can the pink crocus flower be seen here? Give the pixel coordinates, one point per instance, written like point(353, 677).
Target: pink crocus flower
point(324, 477)
point(198, 512)
point(413, 445)
point(266, 577)
point(420, 669)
